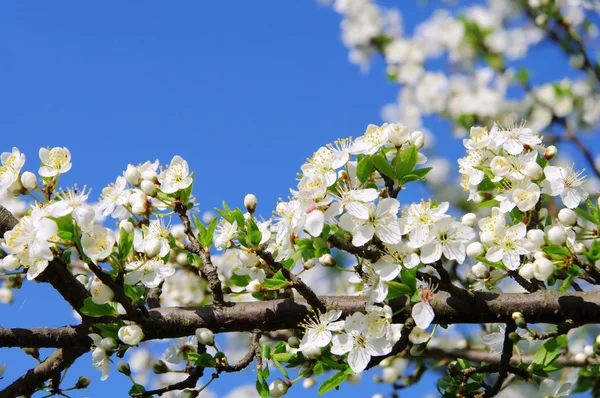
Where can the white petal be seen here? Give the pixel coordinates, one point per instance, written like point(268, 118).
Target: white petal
point(358, 359)
point(423, 315)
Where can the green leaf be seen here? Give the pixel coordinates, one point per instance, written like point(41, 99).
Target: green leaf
point(265, 351)
point(593, 210)
point(125, 244)
point(204, 360)
point(547, 353)
point(334, 381)
point(318, 369)
point(239, 280)
point(396, 290)
point(284, 356)
point(135, 293)
point(186, 193)
point(382, 165)
point(488, 203)
point(409, 277)
point(584, 214)
point(421, 172)
point(364, 168)
point(207, 234)
point(109, 329)
point(274, 284)
point(593, 254)
point(557, 250)
point(406, 161)
point(281, 368)
point(136, 389)
point(98, 310)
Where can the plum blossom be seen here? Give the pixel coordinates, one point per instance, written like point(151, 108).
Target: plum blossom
point(567, 183)
point(361, 340)
point(418, 219)
point(98, 243)
point(12, 162)
point(324, 164)
point(318, 328)
point(355, 201)
point(382, 222)
point(113, 198)
point(176, 177)
point(448, 237)
point(73, 202)
point(508, 244)
point(422, 312)
point(224, 233)
point(373, 139)
point(55, 161)
point(514, 138)
point(150, 272)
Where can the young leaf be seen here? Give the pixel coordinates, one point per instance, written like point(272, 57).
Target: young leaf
point(333, 382)
point(364, 168)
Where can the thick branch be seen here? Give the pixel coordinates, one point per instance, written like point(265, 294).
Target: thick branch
point(35, 377)
point(171, 322)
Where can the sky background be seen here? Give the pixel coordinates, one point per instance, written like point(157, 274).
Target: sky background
point(244, 91)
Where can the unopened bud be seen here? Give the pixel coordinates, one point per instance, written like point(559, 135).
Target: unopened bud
point(417, 139)
point(127, 226)
point(519, 319)
point(148, 187)
point(551, 152)
point(254, 286)
point(250, 203)
point(309, 382)
point(417, 350)
point(123, 367)
point(133, 175)
point(28, 180)
point(279, 388)
point(557, 235)
point(469, 219)
point(159, 367)
point(514, 337)
point(205, 336)
point(567, 217)
point(475, 250)
point(480, 271)
point(152, 248)
point(308, 264)
point(294, 342)
point(82, 382)
point(327, 260)
point(579, 248)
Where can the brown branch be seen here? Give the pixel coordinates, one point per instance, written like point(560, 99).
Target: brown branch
point(247, 359)
point(208, 271)
point(35, 377)
point(507, 352)
point(472, 355)
point(302, 288)
point(154, 296)
point(171, 322)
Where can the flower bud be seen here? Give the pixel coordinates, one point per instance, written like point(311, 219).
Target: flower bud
point(487, 238)
point(417, 139)
point(248, 259)
point(312, 351)
point(152, 248)
point(588, 350)
point(178, 232)
point(539, 254)
point(254, 286)
point(480, 271)
point(417, 350)
point(278, 388)
point(567, 217)
point(123, 367)
point(108, 343)
point(543, 268)
point(536, 238)
point(469, 219)
point(519, 319)
point(294, 342)
point(82, 382)
point(133, 175)
point(597, 340)
point(181, 259)
point(28, 180)
point(308, 264)
point(159, 367)
point(148, 187)
point(205, 336)
point(150, 175)
point(533, 170)
point(10, 263)
point(542, 214)
point(551, 152)
point(514, 337)
point(390, 375)
point(354, 378)
point(131, 334)
point(127, 226)
point(250, 203)
point(579, 248)
point(527, 270)
point(475, 250)
point(557, 235)
point(580, 357)
point(327, 260)
point(309, 383)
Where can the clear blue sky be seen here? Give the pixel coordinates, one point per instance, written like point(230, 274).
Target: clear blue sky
point(244, 91)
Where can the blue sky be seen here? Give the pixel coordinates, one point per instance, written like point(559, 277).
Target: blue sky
point(244, 91)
